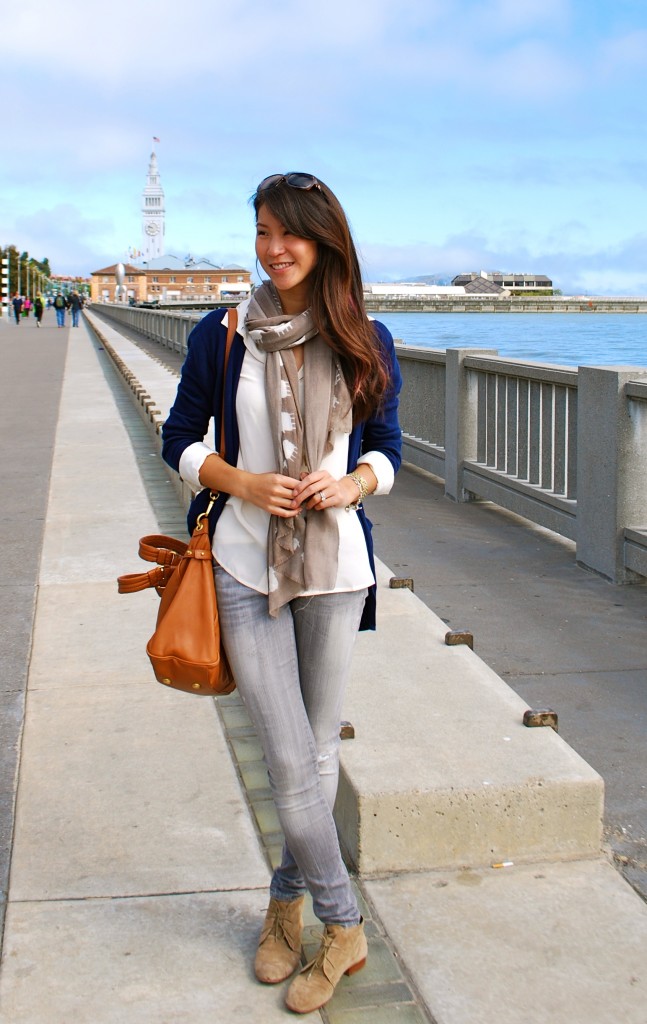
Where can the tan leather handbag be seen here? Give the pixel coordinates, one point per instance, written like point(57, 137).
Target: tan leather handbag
point(185, 650)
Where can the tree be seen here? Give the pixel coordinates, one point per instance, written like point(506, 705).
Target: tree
point(26, 275)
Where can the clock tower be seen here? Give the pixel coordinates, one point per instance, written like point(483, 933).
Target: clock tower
point(153, 213)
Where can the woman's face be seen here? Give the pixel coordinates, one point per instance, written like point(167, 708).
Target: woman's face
point(287, 260)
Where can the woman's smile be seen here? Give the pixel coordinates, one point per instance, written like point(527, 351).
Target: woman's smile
point(287, 260)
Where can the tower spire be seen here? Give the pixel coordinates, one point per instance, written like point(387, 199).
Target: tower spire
point(153, 212)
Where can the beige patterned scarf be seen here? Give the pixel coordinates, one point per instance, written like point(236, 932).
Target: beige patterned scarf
point(303, 551)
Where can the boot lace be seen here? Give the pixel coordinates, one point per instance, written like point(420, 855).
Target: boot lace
point(277, 930)
point(321, 958)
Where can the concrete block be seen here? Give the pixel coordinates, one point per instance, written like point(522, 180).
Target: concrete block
point(542, 944)
point(442, 772)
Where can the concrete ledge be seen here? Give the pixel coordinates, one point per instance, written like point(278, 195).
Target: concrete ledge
point(442, 772)
point(152, 387)
point(547, 944)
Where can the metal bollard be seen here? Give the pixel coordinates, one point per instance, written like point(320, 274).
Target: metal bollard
point(401, 583)
point(540, 717)
point(456, 637)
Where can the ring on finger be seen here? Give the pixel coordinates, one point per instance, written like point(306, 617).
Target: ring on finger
point(322, 495)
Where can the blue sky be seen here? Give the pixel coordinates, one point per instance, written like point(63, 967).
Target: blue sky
point(459, 135)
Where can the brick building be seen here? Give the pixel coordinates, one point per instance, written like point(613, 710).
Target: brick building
point(168, 279)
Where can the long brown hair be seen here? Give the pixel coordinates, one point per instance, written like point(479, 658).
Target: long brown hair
point(337, 295)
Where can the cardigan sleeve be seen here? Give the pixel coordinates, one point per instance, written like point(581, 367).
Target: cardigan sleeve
point(382, 433)
point(191, 412)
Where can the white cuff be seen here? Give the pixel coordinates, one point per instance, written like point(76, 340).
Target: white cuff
point(191, 461)
point(382, 468)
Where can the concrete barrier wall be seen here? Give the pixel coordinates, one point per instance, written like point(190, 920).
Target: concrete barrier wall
point(565, 448)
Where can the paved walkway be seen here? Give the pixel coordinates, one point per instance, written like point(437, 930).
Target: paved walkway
point(138, 882)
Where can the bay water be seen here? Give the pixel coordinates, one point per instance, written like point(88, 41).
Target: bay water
point(572, 339)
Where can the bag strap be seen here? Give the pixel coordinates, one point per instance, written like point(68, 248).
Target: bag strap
point(163, 550)
point(232, 324)
point(134, 581)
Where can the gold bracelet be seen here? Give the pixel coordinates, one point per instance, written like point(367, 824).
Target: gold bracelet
point(362, 487)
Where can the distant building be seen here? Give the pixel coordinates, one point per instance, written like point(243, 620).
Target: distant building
point(169, 279)
point(153, 212)
point(157, 277)
point(494, 282)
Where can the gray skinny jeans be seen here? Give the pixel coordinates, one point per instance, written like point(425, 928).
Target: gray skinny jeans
point(291, 672)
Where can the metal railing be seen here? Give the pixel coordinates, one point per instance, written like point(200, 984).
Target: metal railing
point(565, 448)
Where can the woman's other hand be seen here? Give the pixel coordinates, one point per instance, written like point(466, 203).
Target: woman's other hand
point(320, 490)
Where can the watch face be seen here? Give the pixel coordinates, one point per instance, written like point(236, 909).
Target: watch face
point(152, 228)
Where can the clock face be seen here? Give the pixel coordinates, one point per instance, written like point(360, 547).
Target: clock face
point(152, 228)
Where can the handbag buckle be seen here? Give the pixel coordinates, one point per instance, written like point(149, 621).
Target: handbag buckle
point(213, 497)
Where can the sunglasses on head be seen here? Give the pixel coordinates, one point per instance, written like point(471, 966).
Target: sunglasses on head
point(295, 179)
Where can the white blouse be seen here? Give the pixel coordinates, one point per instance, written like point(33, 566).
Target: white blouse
point(240, 539)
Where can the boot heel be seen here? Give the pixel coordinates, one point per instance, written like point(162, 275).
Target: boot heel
point(355, 968)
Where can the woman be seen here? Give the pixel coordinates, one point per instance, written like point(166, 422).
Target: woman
point(310, 420)
point(39, 308)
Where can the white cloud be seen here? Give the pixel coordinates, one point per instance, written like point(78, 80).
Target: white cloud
point(568, 257)
point(624, 54)
point(508, 17)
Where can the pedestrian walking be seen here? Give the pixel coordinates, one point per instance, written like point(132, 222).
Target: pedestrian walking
point(75, 303)
point(60, 305)
point(26, 307)
point(311, 429)
point(16, 302)
point(39, 309)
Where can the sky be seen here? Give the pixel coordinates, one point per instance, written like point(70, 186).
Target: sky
point(459, 135)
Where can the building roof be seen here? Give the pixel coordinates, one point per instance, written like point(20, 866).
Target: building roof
point(482, 286)
point(128, 268)
point(500, 277)
point(172, 263)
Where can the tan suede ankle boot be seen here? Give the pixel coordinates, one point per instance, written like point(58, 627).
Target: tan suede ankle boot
point(279, 947)
point(342, 951)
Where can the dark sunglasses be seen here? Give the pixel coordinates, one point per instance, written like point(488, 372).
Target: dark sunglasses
point(295, 179)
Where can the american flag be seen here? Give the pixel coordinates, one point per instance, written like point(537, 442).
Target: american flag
point(155, 139)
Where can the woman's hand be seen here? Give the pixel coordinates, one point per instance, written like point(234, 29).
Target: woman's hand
point(320, 490)
point(272, 492)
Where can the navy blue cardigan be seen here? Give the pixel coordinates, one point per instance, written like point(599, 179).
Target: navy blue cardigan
point(199, 397)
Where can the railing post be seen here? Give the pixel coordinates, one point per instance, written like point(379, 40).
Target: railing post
point(611, 470)
point(461, 419)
